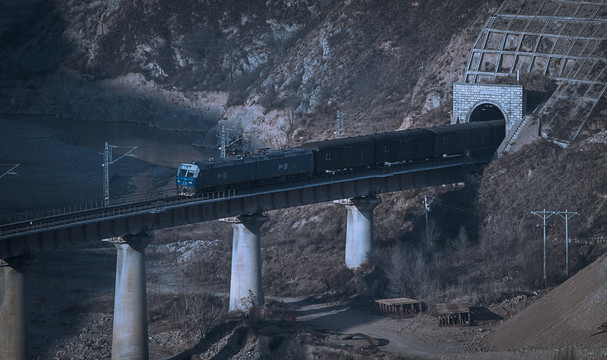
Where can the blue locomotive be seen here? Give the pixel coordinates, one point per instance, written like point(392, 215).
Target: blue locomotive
point(261, 168)
point(335, 156)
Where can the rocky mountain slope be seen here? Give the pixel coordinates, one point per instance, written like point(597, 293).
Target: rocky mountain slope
point(273, 69)
point(278, 71)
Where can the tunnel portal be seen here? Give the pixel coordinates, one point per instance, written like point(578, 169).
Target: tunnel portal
point(484, 102)
point(486, 112)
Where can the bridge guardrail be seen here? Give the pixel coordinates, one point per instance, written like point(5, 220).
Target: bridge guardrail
point(96, 210)
point(93, 205)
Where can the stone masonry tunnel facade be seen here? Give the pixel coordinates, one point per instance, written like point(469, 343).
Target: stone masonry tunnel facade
point(509, 99)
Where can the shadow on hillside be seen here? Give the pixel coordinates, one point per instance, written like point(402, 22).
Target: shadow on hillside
point(40, 24)
point(66, 289)
point(337, 318)
point(214, 336)
point(481, 314)
point(536, 98)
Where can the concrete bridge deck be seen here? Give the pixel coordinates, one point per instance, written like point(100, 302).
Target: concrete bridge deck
point(63, 229)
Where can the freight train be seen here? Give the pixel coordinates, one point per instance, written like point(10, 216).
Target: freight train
point(337, 156)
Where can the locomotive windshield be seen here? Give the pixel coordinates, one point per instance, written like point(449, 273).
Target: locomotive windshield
point(188, 170)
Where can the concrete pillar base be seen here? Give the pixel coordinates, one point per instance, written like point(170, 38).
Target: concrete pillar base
point(130, 332)
point(13, 314)
point(359, 231)
point(245, 280)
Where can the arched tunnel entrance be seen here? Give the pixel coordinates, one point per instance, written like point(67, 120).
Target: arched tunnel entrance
point(486, 112)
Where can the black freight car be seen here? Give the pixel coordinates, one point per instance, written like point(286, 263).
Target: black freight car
point(339, 154)
point(485, 138)
point(284, 163)
point(477, 138)
point(360, 152)
point(498, 132)
point(224, 172)
point(405, 145)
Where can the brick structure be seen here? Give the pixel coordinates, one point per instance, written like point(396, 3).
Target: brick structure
point(510, 99)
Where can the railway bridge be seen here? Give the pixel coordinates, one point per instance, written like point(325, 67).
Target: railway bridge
point(127, 226)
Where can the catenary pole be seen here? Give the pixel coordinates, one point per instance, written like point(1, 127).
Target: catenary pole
point(224, 143)
point(106, 174)
point(338, 126)
point(107, 161)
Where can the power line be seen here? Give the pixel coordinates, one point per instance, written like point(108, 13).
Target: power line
point(458, 207)
point(427, 209)
point(9, 171)
point(565, 215)
point(353, 121)
point(455, 206)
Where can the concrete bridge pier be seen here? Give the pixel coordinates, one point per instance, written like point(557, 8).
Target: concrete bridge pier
point(13, 316)
point(130, 333)
point(245, 278)
point(359, 231)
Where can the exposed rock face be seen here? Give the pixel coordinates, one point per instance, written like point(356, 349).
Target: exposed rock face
point(273, 69)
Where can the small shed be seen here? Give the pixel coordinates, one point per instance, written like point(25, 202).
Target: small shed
point(398, 306)
point(453, 314)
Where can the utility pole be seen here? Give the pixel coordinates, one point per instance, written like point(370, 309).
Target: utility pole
point(567, 215)
point(107, 161)
point(338, 126)
point(427, 209)
point(544, 215)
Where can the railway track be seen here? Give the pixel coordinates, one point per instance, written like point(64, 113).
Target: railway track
point(125, 207)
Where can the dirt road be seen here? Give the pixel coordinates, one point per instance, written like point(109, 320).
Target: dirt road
point(417, 336)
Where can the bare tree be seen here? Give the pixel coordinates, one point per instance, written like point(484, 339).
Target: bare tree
point(410, 275)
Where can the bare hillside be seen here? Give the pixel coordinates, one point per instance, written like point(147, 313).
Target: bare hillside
point(571, 314)
point(274, 70)
point(278, 72)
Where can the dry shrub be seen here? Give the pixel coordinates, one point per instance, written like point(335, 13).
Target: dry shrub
point(534, 81)
point(499, 254)
point(188, 311)
point(409, 273)
point(540, 176)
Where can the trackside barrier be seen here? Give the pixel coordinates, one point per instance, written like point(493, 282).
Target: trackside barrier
point(97, 210)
